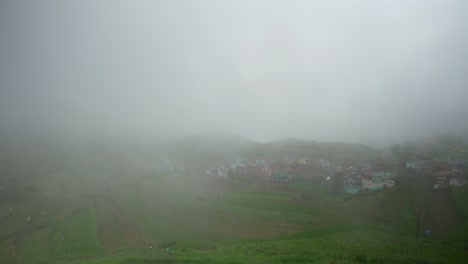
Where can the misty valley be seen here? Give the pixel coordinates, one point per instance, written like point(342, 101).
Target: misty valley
point(225, 199)
point(233, 131)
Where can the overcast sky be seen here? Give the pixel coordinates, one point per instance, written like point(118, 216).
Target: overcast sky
point(353, 71)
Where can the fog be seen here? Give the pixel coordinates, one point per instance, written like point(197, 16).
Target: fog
point(372, 72)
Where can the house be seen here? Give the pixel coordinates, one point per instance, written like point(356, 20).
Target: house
point(222, 173)
point(442, 179)
point(458, 162)
point(387, 178)
point(303, 161)
point(324, 163)
point(416, 164)
point(438, 186)
point(444, 174)
point(383, 176)
point(456, 182)
point(283, 177)
point(353, 189)
point(372, 185)
point(262, 171)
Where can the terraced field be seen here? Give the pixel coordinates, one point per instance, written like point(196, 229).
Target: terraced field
point(167, 218)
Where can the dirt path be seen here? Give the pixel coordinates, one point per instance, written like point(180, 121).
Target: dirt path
point(115, 228)
point(438, 212)
point(108, 230)
point(441, 208)
point(14, 252)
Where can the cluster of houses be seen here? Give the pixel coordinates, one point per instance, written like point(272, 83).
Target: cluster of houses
point(353, 178)
point(441, 173)
point(365, 177)
point(262, 169)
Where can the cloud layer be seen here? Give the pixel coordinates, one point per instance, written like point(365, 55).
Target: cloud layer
point(367, 71)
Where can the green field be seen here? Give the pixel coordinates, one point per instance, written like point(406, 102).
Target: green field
point(144, 216)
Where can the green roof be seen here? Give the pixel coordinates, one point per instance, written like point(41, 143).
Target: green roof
point(352, 189)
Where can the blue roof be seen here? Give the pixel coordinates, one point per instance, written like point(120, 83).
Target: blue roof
point(352, 189)
point(376, 188)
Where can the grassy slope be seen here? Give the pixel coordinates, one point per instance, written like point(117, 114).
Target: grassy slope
point(460, 197)
point(73, 237)
point(6, 254)
point(166, 212)
point(334, 151)
point(225, 148)
point(371, 228)
point(340, 245)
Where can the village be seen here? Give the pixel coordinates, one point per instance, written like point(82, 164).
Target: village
point(351, 178)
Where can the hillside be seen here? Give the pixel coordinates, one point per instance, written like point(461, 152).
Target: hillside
point(334, 151)
point(164, 218)
point(117, 209)
point(208, 147)
point(228, 147)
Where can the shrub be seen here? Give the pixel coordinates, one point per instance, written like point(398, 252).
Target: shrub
point(361, 257)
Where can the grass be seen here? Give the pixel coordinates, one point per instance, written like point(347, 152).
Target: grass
point(333, 246)
point(195, 215)
point(36, 248)
point(6, 255)
point(76, 236)
point(160, 218)
point(460, 198)
point(244, 225)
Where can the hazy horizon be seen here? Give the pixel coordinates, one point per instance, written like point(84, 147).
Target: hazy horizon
point(365, 72)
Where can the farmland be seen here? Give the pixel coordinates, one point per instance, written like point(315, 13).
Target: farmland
point(133, 213)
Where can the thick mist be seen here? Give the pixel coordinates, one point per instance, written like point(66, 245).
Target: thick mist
point(372, 72)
